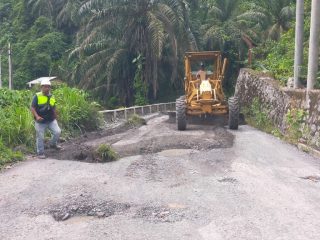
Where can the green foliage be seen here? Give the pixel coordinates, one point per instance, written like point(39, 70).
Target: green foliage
point(279, 57)
point(37, 45)
point(294, 119)
point(92, 43)
point(105, 153)
point(75, 112)
point(257, 116)
point(8, 156)
point(113, 102)
point(140, 86)
point(136, 120)
point(39, 56)
point(41, 27)
point(15, 118)
point(9, 97)
point(16, 124)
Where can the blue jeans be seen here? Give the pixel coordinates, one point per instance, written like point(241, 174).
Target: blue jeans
point(40, 130)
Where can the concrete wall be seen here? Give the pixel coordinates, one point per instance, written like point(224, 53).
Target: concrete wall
point(279, 100)
point(125, 113)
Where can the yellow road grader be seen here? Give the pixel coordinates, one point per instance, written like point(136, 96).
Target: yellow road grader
point(203, 90)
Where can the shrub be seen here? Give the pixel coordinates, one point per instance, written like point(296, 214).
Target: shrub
point(257, 116)
point(15, 118)
point(277, 57)
point(136, 120)
point(294, 119)
point(105, 153)
point(16, 125)
point(13, 97)
point(75, 112)
point(7, 155)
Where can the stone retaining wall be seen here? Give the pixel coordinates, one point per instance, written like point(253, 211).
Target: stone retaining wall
point(279, 100)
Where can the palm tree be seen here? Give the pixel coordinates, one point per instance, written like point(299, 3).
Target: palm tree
point(275, 16)
point(41, 7)
point(115, 32)
point(190, 11)
point(64, 12)
point(226, 24)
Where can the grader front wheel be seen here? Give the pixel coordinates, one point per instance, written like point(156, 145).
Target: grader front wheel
point(234, 110)
point(181, 113)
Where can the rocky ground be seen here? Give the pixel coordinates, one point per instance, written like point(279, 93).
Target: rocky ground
point(129, 140)
point(203, 183)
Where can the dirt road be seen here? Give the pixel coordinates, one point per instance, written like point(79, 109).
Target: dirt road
point(205, 183)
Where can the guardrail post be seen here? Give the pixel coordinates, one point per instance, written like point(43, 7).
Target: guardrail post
point(160, 107)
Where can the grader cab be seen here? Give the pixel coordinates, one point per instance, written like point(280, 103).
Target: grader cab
point(204, 73)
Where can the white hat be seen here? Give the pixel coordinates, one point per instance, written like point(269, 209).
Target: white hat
point(45, 82)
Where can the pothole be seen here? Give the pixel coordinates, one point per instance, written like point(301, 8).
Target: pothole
point(89, 208)
point(167, 142)
point(176, 152)
point(161, 214)
point(76, 152)
point(228, 180)
point(312, 178)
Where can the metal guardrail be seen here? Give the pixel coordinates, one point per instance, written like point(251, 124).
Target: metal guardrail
point(125, 113)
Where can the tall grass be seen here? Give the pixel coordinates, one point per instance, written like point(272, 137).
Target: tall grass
point(16, 124)
point(76, 114)
point(7, 155)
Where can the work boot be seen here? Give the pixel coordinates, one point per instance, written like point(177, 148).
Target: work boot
point(56, 147)
point(41, 156)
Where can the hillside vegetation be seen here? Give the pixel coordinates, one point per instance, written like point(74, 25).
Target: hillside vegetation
point(130, 52)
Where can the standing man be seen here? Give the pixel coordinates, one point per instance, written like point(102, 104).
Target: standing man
point(43, 108)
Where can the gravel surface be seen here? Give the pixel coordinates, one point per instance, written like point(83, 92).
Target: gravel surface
point(204, 183)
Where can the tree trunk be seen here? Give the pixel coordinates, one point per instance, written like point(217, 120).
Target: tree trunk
point(0, 71)
point(249, 44)
point(10, 67)
point(298, 56)
point(314, 44)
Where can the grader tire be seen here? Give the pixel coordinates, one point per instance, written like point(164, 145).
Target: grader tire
point(181, 113)
point(234, 110)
